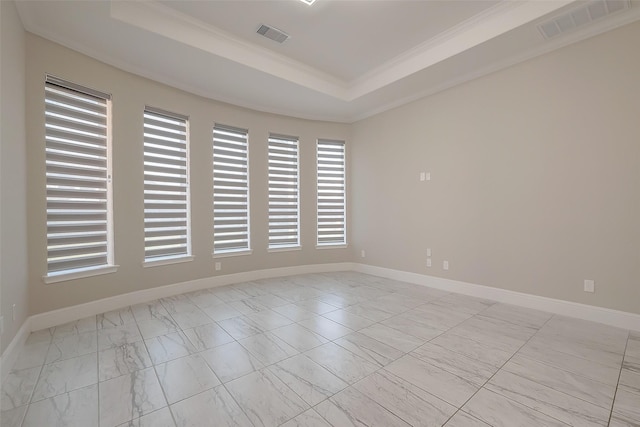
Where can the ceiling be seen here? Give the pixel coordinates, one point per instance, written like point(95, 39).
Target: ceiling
point(345, 60)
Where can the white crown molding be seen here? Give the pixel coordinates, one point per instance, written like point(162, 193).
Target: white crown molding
point(491, 23)
point(175, 83)
point(615, 21)
point(170, 23)
point(612, 22)
point(495, 21)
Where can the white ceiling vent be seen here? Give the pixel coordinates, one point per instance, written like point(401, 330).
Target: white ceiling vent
point(273, 33)
point(578, 17)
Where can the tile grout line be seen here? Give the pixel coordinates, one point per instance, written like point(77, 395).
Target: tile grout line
point(153, 365)
point(500, 369)
point(615, 392)
point(28, 405)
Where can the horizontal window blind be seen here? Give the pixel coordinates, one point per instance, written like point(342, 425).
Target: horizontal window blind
point(166, 185)
point(230, 189)
point(78, 177)
point(331, 192)
point(284, 208)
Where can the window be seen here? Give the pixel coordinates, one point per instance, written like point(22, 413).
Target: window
point(284, 207)
point(230, 190)
point(78, 180)
point(331, 193)
point(166, 186)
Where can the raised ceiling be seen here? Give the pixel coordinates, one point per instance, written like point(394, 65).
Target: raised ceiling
point(345, 60)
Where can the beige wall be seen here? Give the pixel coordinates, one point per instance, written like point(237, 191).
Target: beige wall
point(13, 209)
point(535, 174)
point(535, 177)
point(130, 94)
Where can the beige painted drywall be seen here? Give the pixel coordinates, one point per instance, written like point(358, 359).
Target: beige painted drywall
point(535, 171)
point(535, 177)
point(13, 210)
point(130, 95)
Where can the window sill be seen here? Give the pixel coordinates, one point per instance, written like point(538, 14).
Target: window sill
point(232, 253)
point(333, 246)
point(285, 249)
point(80, 274)
point(168, 261)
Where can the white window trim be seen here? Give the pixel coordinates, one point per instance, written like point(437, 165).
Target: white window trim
point(226, 253)
point(333, 246)
point(346, 242)
point(297, 246)
point(178, 259)
point(80, 274)
point(285, 249)
point(162, 260)
point(229, 254)
point(110, 267)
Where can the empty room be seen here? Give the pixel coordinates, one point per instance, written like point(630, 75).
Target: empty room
point(320, 213)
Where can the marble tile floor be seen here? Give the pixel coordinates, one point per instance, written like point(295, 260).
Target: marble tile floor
point(335, 349)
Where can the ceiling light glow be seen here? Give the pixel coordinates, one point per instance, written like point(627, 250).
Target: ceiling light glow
point(309, 2)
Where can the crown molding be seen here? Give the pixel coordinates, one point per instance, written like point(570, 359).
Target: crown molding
point(597, 28)
point(175, 25)
point(503, 17)
point(400, 64)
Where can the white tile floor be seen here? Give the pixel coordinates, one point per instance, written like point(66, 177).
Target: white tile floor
point(337, 349)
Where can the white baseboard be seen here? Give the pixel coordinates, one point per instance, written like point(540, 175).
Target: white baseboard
point(69, 314)
point(49, 319)
point(10, 354)
point(620, 319)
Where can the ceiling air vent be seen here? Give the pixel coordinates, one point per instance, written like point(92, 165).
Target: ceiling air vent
point(273, 33)
point(581, 16)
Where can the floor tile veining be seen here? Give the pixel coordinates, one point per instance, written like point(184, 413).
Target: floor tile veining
point(335, 349)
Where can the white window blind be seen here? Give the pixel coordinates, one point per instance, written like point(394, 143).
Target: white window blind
point(284, 208)
point(78, 178)
point(331, 193)
point(230, 190)
point(166, 185)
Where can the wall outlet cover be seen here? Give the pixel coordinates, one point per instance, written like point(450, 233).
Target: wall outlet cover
point(589, 286)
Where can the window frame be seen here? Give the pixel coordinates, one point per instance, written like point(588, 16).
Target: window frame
point(225, 253)
point(188, 255)
point(274, 137)
point(110, 266)
point(344, 242)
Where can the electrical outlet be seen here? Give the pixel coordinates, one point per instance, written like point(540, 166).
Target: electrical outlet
point(428, 262)
point(218, 266)
point(423, 176)
point(428, 252)
point(13, 312)
point(445, 265)
point(428, 176)
point(589, 286)
point(362, 253)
